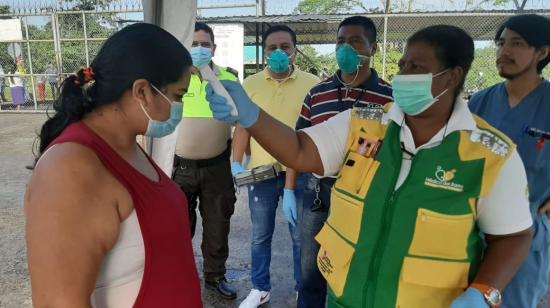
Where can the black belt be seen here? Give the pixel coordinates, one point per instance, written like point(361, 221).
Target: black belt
point(202, 163)
point(328, 181)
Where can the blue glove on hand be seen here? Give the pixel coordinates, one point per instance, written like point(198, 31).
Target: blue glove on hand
point(246, 161)
point(248, 112)
point(236, 168)
point(289, 206)
point(472, 298)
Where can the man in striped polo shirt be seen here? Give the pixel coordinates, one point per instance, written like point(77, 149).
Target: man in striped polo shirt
point(354, 84)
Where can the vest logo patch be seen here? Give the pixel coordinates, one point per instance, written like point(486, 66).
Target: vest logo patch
point(324, 263)
point(189, 94)
point(443, 179)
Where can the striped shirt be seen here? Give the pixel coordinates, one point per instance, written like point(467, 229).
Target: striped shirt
point(331, 97)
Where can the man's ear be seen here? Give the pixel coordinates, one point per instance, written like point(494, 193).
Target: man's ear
point(457, 74)
point(374, 48)
point(543, 52)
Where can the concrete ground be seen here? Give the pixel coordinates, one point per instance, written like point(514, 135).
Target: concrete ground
point(17, 134)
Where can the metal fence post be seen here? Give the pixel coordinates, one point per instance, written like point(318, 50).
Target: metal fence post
point(85, 38)
point(30, 62)
point(57, 42)
point(384, 48)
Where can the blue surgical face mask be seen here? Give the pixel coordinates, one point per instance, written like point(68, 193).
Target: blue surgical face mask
point(278, 62)
point(348, 59)
point(160, 129)
point(413, 93)
point(201, 56)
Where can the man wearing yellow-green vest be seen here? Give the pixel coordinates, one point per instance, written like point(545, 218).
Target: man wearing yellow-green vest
point(201, 164)
point(418, 185)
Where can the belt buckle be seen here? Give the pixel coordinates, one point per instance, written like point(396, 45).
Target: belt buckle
point(257, 174)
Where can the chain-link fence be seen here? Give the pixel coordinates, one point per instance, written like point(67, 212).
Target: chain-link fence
point(52, 44)
point(43, 48)
point(393, 31)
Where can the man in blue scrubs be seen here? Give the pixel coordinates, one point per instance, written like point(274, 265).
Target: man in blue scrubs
point(520, 108)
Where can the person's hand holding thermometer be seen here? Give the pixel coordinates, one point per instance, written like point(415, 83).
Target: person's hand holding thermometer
point(237, 109)
point(208, 75)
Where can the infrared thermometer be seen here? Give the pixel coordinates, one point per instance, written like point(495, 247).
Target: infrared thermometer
point(208, 74)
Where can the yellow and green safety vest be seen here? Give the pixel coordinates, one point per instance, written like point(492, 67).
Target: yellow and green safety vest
point(417, 246)
point(195, 103)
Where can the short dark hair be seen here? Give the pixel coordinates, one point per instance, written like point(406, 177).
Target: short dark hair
point(206, 28)
point(362, 21)
point(279, 28)
point(453, 46)
point(534, 29)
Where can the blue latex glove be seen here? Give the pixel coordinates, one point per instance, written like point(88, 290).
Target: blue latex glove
point(472, 298)
point(248, 111)
point(246, 161)
point(236, 168)
point(289, 206)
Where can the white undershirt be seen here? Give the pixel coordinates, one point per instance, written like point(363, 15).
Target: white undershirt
point(504, 211)
point(119, 279)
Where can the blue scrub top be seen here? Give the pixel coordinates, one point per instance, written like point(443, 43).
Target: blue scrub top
point(525, 124)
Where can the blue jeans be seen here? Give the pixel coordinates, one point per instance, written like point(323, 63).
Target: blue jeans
point(263, 200)
point(313, 213)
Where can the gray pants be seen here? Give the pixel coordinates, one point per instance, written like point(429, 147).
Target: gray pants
point(208, 185)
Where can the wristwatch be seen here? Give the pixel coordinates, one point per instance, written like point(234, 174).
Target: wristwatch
point(492, 296)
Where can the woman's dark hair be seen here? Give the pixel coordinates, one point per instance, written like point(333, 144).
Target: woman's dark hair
point(138, 51)
point(534, 29)
point(453, 47)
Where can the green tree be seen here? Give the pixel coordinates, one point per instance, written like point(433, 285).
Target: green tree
point(483, 72)
point(328, 6)
point(310, 61)
point(88, 5)
point(4, 9)
point(392, 61)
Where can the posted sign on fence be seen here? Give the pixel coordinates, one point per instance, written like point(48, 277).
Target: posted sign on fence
point(10, 30)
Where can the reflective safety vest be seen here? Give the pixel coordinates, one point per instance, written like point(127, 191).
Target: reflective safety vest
point(417, 246)
point(195, 103)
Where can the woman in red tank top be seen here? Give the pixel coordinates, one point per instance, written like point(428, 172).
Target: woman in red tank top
point(91, 176)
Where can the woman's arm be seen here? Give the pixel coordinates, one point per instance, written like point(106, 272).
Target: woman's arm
point(72, 222)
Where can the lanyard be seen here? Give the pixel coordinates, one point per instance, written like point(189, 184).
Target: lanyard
point(341, 103)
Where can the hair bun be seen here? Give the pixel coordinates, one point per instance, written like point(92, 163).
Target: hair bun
point(84, 76)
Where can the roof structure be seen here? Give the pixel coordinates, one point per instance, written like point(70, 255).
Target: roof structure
point(321, 29)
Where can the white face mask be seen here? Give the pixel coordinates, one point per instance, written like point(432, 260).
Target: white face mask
point(159, 129)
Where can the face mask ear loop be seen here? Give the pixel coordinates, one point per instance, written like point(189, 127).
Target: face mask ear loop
point(440, 94)
point(144, 111)
point(162, 94)
point(441, 73)
point(347, 84)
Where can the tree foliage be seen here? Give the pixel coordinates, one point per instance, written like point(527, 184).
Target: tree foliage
point(358, 6)
point(328, 6)
point(311, 61)
point(4, 9)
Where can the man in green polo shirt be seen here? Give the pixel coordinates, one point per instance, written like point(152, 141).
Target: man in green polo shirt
point(202, 167)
